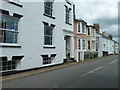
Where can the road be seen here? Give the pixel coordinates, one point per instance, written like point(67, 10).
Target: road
point(101, 73)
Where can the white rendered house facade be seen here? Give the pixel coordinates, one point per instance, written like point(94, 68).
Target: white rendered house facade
point(37, 36)
point(104, 44)
point(116, 47)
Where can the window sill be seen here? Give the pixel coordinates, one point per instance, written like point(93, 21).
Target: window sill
point(68, 23)
point(81, 50)
point(49, 46)
point(9, 45)
point(69, 3)
point(81, 33)
point(15, 3)
point(49, 16)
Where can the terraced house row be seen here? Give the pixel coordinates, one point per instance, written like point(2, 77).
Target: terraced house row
point(40, 34)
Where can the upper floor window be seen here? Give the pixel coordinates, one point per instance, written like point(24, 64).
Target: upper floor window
point(48, 7)
point(79, 27)
point(93, 32)
point(88, 31)
point(83, 28)
point(89, 45)
point(48, 34)
point(67, 17)
point(8, 29)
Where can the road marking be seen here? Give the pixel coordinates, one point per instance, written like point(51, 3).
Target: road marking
point(99, 68)
point(92, 71)
point(113, 62)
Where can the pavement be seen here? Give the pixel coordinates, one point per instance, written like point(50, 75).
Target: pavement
point(94, 73)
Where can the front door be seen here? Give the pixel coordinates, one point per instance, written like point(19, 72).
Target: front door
point(67, 47)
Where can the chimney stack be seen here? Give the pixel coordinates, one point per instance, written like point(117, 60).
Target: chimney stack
point(97, 27)
point(103, 33)
point(110, 36)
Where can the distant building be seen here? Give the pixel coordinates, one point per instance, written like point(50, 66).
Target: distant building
point(91, 38)
point(105, 44)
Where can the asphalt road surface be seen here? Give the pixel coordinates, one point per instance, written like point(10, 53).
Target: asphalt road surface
point(101, 73)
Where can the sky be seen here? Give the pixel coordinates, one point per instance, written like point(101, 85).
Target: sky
point(104, 12)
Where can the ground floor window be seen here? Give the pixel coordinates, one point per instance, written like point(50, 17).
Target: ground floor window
point(6, 65)
point(89, 45)
point(81, 44)
point(47, 60)
point(93, 44)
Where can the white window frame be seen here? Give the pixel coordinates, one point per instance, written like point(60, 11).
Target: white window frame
point(92, 31)
point(47, 60)
point(80, 44)
point(79, 26)
point(89, 31)
point(3, 30)
point(8, 67)
point(47, 7)
point(83, 28)
point(49, 36)
point(67, 15)
point(93, 44)
point(83, 44)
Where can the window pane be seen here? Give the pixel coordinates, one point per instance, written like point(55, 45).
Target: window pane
point(13, 64)
point(48, 31)
point(47, 60)
point(1, 36)
point(83, 28)
point(47, 40)
point(79, 27)
point(4, 65)
point(48, 4)
point(10, 37)
point(67, 15)
point(9, 65)
point(9, 22)
point(47, 11)
point(16, 24)
point(48, 8)
point(48, 35)
point(79, 44)
point(88, 31)
point(83, 42)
